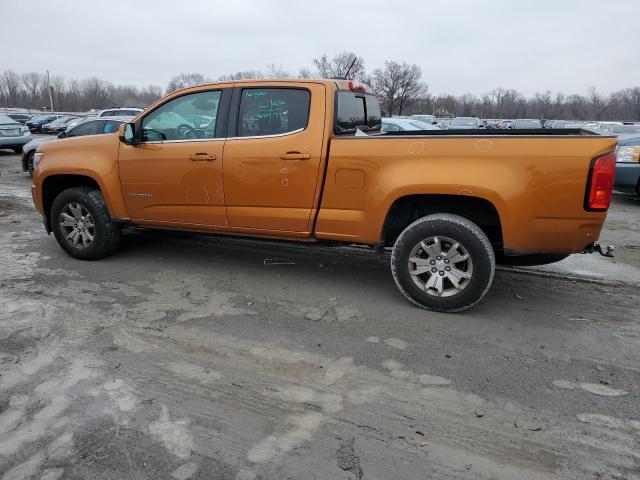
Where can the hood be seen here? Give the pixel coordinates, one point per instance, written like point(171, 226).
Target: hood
point(36, 142)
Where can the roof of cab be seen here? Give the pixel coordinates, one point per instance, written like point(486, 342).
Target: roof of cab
point(336, 83)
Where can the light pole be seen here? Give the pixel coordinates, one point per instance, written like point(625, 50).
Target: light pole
point(50, 90)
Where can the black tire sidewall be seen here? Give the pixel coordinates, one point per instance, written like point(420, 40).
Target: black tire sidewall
point(29, 162)
point(469, 238)
point(84, 197)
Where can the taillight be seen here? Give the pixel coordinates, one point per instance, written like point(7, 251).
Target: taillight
point(357, 86)
point(600, 185)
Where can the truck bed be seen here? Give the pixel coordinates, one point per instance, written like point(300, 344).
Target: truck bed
point(536, 180)
point(494, 132)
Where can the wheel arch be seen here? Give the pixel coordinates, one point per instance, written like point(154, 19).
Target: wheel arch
point(54, 185)
point(406, 209)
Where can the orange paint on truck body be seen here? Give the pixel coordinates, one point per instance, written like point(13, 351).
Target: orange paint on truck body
point(313, 184)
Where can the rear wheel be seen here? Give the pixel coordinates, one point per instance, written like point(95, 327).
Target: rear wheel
point(81, 224)
point(443, 262)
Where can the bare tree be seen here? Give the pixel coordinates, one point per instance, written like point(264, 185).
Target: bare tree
point(11, 87)
point(398, 85)
point(183, 80)
point(305, 72)
point(597, 103)
point(631, 99)
point(542, 104)
point(343, 65)
point(276, 71)
point(31, 82)
point(242, 75)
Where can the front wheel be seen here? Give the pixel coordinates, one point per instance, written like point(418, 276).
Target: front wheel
point(82, 225)
point(29, 162)
point(443, 263)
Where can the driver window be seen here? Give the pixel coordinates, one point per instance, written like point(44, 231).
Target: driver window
point(188, 117)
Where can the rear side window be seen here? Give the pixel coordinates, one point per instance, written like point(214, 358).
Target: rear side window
point(357, 111)
point(273, 111)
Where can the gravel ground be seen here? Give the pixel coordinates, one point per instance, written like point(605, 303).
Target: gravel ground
point(195, 357)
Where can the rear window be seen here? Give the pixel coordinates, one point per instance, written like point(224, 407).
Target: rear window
point(357, 111)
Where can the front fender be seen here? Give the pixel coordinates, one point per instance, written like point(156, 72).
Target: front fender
point(94, 157)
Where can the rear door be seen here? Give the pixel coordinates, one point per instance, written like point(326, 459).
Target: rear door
point(174, 175)
point(273, 155)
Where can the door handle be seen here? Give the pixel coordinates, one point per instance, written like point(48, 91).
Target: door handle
point(295, 156)
point(202, 157)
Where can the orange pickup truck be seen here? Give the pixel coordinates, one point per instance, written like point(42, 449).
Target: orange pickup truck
point(305, 160)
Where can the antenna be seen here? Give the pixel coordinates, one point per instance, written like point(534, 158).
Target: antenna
point(353, 62)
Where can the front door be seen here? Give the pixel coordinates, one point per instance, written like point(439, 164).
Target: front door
point(272, 158)
point(173, 176)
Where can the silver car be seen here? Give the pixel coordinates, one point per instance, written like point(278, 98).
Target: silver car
point(13, 135)
point(398, 124)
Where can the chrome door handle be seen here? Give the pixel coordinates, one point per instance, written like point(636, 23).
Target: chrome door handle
point(202, 157)
point(295, 156)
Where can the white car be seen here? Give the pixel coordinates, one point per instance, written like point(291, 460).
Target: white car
point(396, 124)
point(120, 112)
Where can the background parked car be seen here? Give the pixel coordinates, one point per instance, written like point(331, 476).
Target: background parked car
point(628, 164)
point(120, 112)
point(36, 123)
point(20, 117)
point(396, 124)
point(426, 118)
point(13, 135)
point(58, 125)
point(527, 123)
point(625, 129)
point(90, 126)
point(465, 123)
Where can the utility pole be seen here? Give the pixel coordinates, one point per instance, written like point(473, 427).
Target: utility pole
point(50, 90)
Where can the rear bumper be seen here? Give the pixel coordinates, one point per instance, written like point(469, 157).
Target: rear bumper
point(556, 235)
point(627, 177)
point(17, 141)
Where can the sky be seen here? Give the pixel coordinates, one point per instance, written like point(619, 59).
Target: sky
point(462, 46)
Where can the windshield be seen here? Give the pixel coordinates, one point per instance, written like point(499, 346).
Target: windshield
point(464, 122)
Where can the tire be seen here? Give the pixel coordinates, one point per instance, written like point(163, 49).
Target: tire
point(531, 260)
point(86, 208)
point(442, 232)
point(28, 163)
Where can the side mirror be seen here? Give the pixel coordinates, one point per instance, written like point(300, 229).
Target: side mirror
point(62, 134)
point(127, 133)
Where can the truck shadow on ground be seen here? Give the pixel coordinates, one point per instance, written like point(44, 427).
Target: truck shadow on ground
point(296, 270)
